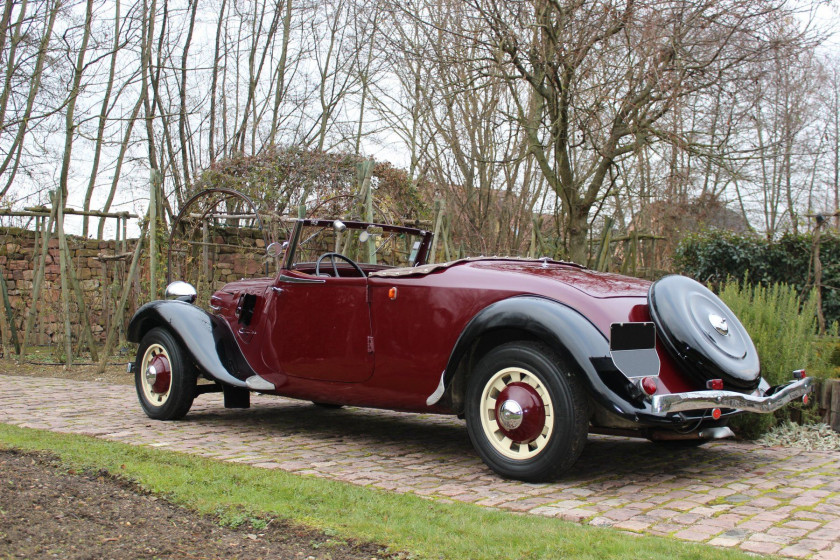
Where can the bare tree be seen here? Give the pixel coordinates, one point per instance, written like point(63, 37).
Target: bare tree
point(603, 74)
point(16, 147)
point(70, 123)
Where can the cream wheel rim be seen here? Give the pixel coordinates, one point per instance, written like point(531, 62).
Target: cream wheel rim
point(496, 432)
point(155, 354)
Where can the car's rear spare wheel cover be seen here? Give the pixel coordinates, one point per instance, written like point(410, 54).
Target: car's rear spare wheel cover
point(702, 333)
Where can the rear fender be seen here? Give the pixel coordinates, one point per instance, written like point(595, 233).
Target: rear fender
point(206, 338)
point(557, 325)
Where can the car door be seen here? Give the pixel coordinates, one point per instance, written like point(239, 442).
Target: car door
point(319, 328)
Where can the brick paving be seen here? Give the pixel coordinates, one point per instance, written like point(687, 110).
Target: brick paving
point(730, 494)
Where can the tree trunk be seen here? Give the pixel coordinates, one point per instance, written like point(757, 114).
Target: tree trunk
point(103, 116)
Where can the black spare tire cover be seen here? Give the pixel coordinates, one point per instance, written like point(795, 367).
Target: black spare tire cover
point(702, 333)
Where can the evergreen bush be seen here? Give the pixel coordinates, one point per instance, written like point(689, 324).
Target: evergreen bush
point(784, 330)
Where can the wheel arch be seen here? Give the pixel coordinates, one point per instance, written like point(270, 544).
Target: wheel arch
point(527, 318)
point(205, 338)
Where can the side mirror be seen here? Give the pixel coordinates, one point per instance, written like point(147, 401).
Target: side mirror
point(182, 291)
point(275, 249)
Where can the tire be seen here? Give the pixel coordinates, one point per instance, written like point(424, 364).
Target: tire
point(546, 407)
point(702, 334)
point(168, 393)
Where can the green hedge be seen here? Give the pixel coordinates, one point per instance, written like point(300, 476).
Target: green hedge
point(713, 256)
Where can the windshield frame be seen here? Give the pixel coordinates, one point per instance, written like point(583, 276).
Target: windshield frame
point(294, 239)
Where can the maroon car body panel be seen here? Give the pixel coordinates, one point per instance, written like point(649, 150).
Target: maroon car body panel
point(346, 340)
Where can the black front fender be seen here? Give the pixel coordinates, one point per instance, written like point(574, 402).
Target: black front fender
point(557, 325)
point(207, 338)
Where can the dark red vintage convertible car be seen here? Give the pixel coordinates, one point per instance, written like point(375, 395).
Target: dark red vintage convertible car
point(533, 353)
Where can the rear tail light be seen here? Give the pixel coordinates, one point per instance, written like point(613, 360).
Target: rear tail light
point(805, 399)
point(715, 384)
point(648, 385)
point(799, 374)
point(716, 414)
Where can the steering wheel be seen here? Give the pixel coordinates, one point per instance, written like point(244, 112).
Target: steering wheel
point(332, 257)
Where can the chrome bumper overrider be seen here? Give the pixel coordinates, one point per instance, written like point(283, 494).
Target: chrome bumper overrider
point(698, 400)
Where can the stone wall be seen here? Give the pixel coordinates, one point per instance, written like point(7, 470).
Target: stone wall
point(234, 256)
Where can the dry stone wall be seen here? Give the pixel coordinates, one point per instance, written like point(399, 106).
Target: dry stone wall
point(101, 278)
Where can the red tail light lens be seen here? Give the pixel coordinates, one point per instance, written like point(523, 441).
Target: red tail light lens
point(715, 384)
point(716, 414)
point(649, 385)
point(805, 399)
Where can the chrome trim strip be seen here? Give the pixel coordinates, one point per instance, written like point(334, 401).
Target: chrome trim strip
point(698, 400)
point(435, 397)
point(296, 280)
point(257, 383)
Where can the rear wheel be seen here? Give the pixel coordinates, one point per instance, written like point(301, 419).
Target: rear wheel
point(527, 413)
point(163, 376)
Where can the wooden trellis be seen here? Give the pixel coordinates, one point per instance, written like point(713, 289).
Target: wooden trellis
point(49, 224)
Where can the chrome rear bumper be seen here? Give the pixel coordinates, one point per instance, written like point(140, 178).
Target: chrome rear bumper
point(698, 400)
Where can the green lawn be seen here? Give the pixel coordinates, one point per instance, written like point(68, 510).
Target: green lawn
point(424, 528)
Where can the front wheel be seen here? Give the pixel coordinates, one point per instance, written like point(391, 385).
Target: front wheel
point(164, 377)
point(527, 413)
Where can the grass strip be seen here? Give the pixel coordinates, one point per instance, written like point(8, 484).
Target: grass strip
point(424, 528)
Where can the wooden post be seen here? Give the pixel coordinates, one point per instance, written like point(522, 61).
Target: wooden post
point(438, 220)
point(119, 271)
point(445, 235)
point(106, 292)
point(10, 319)
point(540, 244)
point(125, 231)
point(834, 404)
point(820, 219)
point(69, 270)
point(367, 168)
point(132, 271)
point(58, 201)
point(205, 255)
point(532, 248)
point(603, 264)
point(38, 282)
point(153, 236)
point(818, 273)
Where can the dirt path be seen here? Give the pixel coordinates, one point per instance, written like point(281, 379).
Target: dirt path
point(48, 512)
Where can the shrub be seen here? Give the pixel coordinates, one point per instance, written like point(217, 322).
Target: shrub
point(712, 256)
point(784, 331)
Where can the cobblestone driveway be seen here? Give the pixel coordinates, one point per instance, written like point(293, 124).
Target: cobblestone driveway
point(782, 501)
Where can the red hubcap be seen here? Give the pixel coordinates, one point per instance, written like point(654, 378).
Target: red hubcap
point(164, 374)
point(520, 412)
